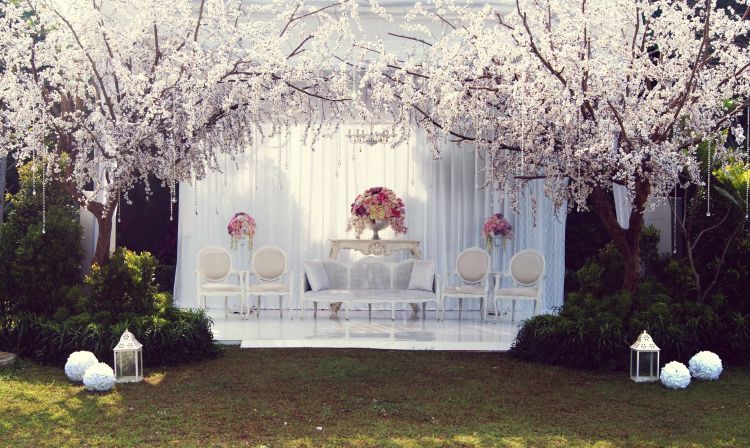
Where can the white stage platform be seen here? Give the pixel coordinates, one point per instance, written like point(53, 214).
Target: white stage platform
point(407, 332)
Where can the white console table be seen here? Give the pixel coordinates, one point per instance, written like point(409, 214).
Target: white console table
point(376, 247)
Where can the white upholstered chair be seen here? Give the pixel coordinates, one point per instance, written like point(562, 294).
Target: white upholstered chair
point(527, 274)
point(472, 271)
point(269, 267)
point(213, 273)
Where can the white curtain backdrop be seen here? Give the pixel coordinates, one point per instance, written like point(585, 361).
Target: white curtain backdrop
point(300, 199)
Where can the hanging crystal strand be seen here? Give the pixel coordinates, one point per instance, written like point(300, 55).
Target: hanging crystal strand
point(286, 148)
point(280, 154)
point(256, 148)
point(747, 150)
point(33, 172)
point(44, 198)
point(411, 158)
point(674, 220)
point(173, 186)
point(118, 206)
point(338, 152)
point(195, 194)
point(708, 182)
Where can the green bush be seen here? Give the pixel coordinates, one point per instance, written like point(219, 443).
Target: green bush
point(127, 284)
point(598, 322)
point(39, 269)
point(174, 337)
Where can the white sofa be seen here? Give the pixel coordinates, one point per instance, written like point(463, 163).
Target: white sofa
point(367, 281)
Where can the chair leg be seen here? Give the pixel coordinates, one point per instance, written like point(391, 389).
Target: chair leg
point(393, 310)
point(315, 310)
point(484, 310)
point(281, 312)
point(424, 310)
point(369, 310)
point(513, 312)
point(460, 307)
point(346, 310)
point(257, 316)
point(494, 302)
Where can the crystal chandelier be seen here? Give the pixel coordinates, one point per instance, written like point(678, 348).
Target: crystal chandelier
point(371, 137)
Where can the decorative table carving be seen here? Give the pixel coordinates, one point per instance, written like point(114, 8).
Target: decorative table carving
point(376, 247)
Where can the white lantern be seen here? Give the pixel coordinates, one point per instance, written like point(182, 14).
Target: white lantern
point(644, 359)
point(128, 359)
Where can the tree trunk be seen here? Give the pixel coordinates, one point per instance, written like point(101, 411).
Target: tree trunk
point(627, 241)
point(104, 235)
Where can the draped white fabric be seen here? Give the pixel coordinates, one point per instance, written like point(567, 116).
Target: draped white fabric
point(300, 199)
point(623, 205)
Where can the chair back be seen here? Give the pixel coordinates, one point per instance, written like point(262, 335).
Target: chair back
point(473, 265)
point(269, 263)
point(527, 267)
point(214, 263)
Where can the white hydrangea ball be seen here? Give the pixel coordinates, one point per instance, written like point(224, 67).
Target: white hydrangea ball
point(99, 377)
point(705, 366)
point(77, 364)
point(675, 375)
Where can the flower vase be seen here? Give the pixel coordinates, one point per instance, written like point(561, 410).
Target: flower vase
point(376, 226)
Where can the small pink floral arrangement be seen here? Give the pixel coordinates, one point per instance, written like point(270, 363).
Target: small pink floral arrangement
point(377, 204)
point(496, 225)
point(241, 226)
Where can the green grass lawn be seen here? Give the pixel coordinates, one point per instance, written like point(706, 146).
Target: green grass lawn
point(371, 398)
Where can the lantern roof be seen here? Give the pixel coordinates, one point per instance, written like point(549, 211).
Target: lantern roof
point(645, 343)
point(128, 342)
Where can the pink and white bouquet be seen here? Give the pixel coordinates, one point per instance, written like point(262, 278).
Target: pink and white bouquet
point(377, 204)
point(241, 226)
point(496, 226)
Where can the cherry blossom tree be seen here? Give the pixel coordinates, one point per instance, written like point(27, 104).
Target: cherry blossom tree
point(135, 90)
point(578, 94)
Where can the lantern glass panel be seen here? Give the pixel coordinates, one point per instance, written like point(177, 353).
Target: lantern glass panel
point(127, 370)
point(644, 366)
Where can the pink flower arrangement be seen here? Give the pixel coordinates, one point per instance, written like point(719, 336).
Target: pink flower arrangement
point(377, 204)
point(496, 225)
point(241, 226)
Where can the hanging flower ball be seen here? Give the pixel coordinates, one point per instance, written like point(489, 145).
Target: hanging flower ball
point(99, 377)
point(705, 366)
point(77, 364)
point(675, 375)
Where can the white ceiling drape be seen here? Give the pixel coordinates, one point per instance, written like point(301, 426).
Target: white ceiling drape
point(300, 199)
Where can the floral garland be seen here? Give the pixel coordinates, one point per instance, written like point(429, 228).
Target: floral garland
point(377, 204)
point(496, 225)
point(241, 226)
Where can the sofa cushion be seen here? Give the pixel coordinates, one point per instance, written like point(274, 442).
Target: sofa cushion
point(316, 275)
point(402, 274)
point(338, 274)
point(422, 275)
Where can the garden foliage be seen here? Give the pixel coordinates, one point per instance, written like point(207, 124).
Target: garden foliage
point(39, 269)
point(599, 321)
point(50, 310)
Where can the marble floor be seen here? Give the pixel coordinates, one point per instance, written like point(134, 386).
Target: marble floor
point(409, 331)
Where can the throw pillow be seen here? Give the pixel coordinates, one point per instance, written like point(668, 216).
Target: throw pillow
point(422, 275)
point(316, 275)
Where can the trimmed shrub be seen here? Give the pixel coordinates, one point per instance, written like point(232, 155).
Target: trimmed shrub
point(174, 337)
point(127, 284)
